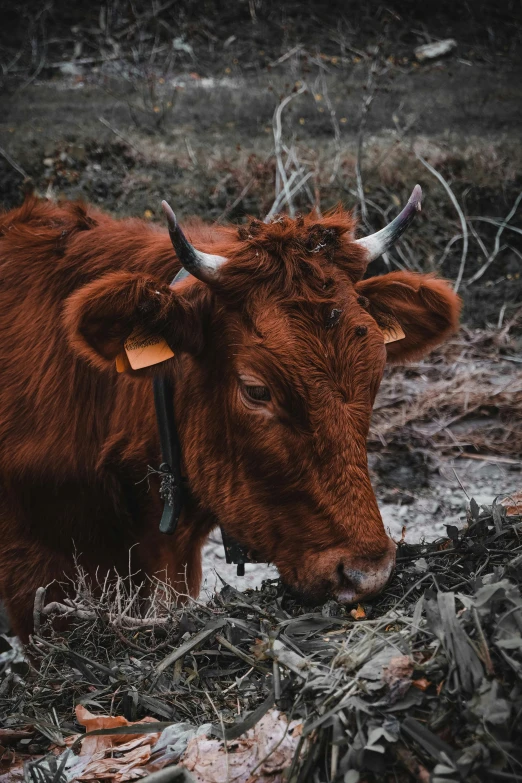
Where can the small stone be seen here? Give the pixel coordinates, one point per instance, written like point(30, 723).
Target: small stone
point(421, 565)
point(331, 609)
point(433, 50)
point(77, 151)
point(70, 69)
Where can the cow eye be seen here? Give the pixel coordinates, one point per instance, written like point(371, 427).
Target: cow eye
point(258, 393)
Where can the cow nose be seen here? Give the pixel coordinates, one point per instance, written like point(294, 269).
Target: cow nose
point(360, 578)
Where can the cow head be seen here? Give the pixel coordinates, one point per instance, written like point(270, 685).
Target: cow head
point(280, 347)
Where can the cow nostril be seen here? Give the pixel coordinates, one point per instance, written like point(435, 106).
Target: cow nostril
point(343, 581)
point(347, 584)
point(355, 584)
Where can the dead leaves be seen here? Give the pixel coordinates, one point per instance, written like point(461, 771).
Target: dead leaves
point(399, 668)
point(424, 656)
point(467, 671)
point(513, 504)
point(359, 613)
point(260, 756)
point(111, 757)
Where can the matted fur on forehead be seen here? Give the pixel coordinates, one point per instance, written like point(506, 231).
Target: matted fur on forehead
point(297, 259)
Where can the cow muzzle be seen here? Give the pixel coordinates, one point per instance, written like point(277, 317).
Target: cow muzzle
point(340, 572)
point(360, 578)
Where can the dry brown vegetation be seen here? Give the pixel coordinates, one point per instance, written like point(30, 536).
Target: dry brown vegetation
point(466, 398)
point(427, 677)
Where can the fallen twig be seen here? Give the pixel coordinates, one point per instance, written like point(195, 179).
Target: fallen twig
point(496, 249)
point(282, 181)
point(365, 107)
point(460, 213)
point(13, 163)
point(231, 207)
point(193, 642)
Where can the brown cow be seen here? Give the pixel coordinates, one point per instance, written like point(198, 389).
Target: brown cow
point(279, 352)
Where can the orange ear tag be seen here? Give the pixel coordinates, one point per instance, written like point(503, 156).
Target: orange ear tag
point(393, 332)
point(120, 362)
point(144, 351)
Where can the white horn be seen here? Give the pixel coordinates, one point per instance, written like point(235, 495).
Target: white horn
point(378, 243)
point(204, 266)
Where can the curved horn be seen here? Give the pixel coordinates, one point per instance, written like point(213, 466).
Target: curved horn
point(378, 243)
point(204, 266)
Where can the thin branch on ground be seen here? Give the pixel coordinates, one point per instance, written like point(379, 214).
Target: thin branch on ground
point(497, 248)
point(231, 207)
point(335, 125)
point(460, 213)
point(369, 94)
point(13, 163)
point(495, 222)
point(282, 182)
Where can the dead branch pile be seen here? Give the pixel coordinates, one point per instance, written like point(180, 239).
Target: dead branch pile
point(465, 398)
point(427, 680)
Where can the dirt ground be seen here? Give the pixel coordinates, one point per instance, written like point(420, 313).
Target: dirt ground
point(124, 105)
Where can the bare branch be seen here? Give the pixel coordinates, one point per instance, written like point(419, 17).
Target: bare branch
point(13, 163)
point(281, 178)
point(497, 248)
point(460, 214)
point(367, 100)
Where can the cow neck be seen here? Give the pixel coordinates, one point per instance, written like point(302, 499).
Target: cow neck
point(173, 485)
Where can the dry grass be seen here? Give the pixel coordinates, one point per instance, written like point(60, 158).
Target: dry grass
point(426, 677)
point(466, 397)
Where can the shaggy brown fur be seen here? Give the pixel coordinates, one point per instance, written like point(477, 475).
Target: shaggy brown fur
point(287, 477)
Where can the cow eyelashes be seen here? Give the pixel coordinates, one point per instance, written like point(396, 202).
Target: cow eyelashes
point(253, 392)
point(258, 393)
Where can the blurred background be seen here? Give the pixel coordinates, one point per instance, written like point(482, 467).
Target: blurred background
point(125, 103)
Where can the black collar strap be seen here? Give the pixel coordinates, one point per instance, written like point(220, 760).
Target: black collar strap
point(171, 487)
point(172, 490)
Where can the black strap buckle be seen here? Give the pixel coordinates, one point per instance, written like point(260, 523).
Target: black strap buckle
point(235, 553)
point(171, 488)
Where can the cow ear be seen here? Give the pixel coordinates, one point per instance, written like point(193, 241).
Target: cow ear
point(135, 321)
point(415, 312)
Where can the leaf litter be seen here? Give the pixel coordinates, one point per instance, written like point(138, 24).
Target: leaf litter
point(424, 683)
